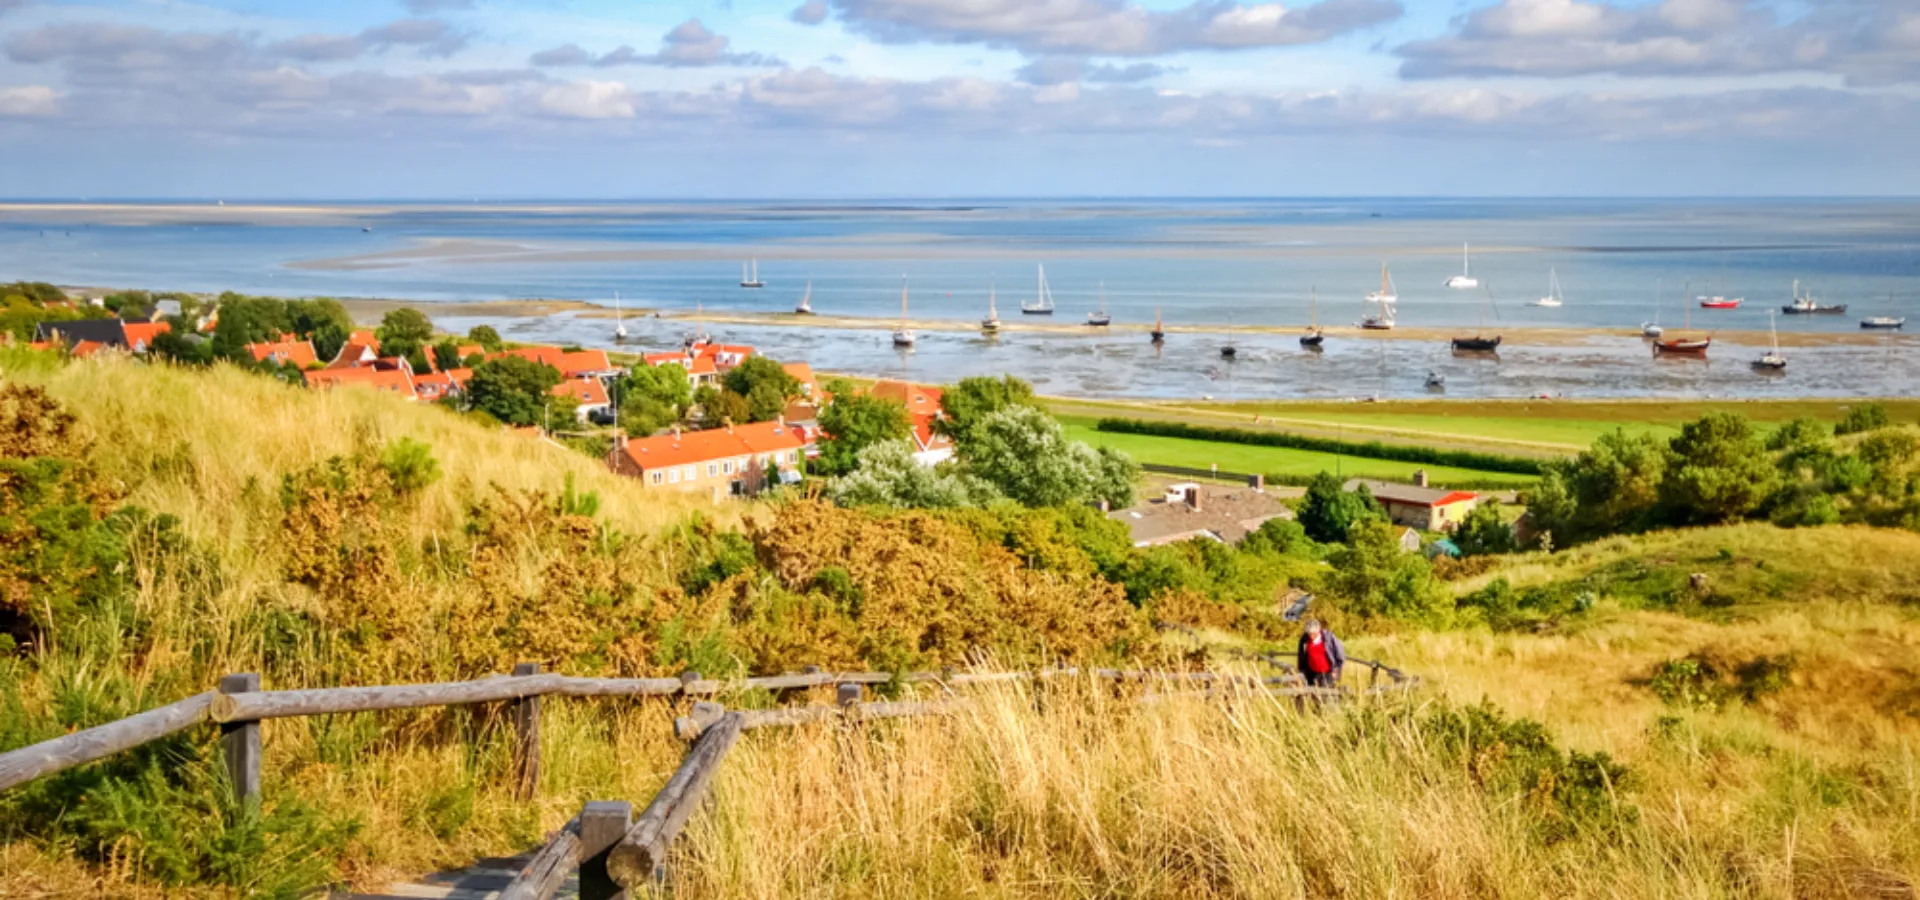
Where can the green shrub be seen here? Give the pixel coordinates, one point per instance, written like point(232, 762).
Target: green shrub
point(410, 464)
point(1863, 418)
point(1517, 760)
point(1705, 682)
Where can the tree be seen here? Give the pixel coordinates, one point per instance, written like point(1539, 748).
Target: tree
point(403, 331)
point(853, 422)
point(1372, 576)
point(1717, 471)
point(1613, 486)
point(513, 390)
point(1328, 513)
point(486, 337)
point(305, 317)
point(667, 385)
point(1863, 418)
point(1484, 532)
point(974, 399)
point(248, 320)
point(720, 407)
point(765, 404)
point(888, 475)
point(1024, 453)
point(446, 355)
point(328, 339)
point(758, 372)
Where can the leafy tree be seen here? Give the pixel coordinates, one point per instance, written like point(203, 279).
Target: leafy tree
point(486, 337)
point(666, 385)
point(1280, 537)
point(446, 355)
point(181, 345)
point(1328, 513)
point(1485, 531)
point(1024, 453)
point(889, 476)
point(1613, 486)
point(854, 421)
point(759, 372)
point(973, 399)
point(328, 339)
point(305, 317)
point(765, 403)
point(410, 465)
point(1372, 576)
point(720, 407)
point(248, 320)
point(513, 390)
point(1718, 472)
point(1863, 418)
point(403, 331)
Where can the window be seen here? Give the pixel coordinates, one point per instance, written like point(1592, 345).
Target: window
point(673, 476)
point(712, 469)
point(689, 473)
point(727, 467)
point(657, 478)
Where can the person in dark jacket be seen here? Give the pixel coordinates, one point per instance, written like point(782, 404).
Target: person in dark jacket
point(1321, 655)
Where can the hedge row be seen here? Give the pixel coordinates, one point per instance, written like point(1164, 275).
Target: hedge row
point(1459, 459)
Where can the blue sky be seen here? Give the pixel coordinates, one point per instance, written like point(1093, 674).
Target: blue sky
point(875, 98)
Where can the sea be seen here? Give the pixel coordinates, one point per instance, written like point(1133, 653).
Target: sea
point(1227, 267)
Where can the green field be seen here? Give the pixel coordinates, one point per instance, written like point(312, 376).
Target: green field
point(1270, 460)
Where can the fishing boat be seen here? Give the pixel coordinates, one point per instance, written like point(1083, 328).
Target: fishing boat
point(1718, 302)
point(750, 275)
point(805, 306)
point(991, 324)
point(1381, 304)
point(1464, 280)
point(619, 324)
point(1553, 299)
point(903, 336)
point(1771, 360)
point(1805, 305)
point(1100, 319)
point(1042, 304)
point(1314, 336)
point(1159, 330)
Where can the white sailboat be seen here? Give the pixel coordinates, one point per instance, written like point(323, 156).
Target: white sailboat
point(991, 324)
point(1652, 329)
point(805, 306)
point(619, 323)
point(903, 336)
point(750, 275)
point(1553, 299)
point(1042, 304)
point(1381, 304)
point(1314, 336)
point(1464, 280)
point(1100, 318)
point(1771, 360)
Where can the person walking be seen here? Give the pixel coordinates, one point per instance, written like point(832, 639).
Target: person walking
point(1321, 655)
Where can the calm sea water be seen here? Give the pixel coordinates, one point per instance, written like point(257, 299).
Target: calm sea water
point(1208, 263)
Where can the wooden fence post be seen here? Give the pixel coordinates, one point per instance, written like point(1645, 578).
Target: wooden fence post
point(240, 743)
point(526, 738)
point(848, 697)
point(602, 824)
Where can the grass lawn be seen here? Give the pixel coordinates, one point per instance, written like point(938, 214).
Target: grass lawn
point(1270, 460)
point(1573, 424)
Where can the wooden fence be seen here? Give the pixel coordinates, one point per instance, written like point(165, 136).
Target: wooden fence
point(609, 848)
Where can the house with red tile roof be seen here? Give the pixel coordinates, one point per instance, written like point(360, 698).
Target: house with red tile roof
point(802, 373)
point(700, 369)
point(365, 337)
point(88, 348)
point(436, 385)
point(285, 351)
point(738, 460)
point(354, 354)
point(572, 364)
point(140, 335)
point(1419, 506)
point(591, 393)
point(399, 381)
point(924, 411)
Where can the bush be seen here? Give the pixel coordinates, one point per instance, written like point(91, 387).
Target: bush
point(410, 464)
point(1462, 459)
point(1517, 760)
point(1863, 418)
point(1706, 681)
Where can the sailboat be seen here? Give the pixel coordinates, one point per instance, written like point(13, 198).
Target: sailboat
point(903, 336)
point(750, 275)
point(1229, 351)
point(1314, 336)
point(1042, 304)
point(1159, 330)
point(1464, 280)
point(1771, 360)
point(805, 306)
point(1479, 343)
point(1652, 329)
point(619, 324)
point(1101, 319)
point(1805, 305)
point(991, 324)
point(1382, 302)
point(1553, 299)
point(1690, 346)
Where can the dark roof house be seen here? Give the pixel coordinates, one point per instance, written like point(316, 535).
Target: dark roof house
point(1190, 511)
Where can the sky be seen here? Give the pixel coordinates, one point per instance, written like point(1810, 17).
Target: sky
point(806, 99)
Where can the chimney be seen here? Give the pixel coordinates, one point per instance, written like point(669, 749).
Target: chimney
point(1193, 497)
point(1257, 482)
point(1420, 478)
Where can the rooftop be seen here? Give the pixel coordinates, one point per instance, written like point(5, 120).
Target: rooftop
point(1410, 494)
point(1224, 514)
point(717, 443)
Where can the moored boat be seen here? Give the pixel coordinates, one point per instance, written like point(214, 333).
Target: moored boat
point(1771, 360)
point(1693, 346)
point(1100, 319)
point(1314, 336)
point(1553, 299)
point(1887, 323)
point(750, 276)
point(805, 306)
point(1805, 305)
point(1477, 344)
point(903, 336)
point(1159, 330)
point(991, 324)
point(1464, 280)
point(1042, 304)
point(1381, 303)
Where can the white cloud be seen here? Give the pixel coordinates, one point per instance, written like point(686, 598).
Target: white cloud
point(812, 12)
point(689, 44)
point(31, 100)
point(1110, 27)
point(588, 100)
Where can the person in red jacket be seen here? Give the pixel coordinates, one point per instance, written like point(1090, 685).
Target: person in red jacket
point(1321, 656)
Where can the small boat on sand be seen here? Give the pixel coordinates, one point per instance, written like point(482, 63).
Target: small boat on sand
point(1380, 304)
point(903, 336)
point(1314, 336)
point(1771, 360)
